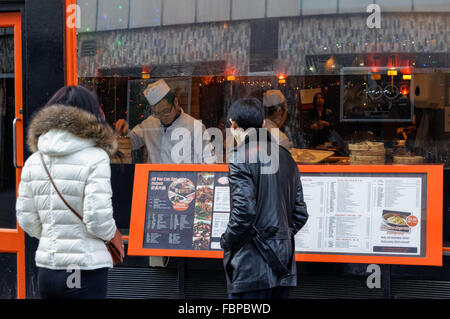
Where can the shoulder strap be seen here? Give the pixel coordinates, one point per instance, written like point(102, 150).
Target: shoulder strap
point(56, 189)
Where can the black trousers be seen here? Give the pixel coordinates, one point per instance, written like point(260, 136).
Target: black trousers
point(61, 284)
point(273, 293)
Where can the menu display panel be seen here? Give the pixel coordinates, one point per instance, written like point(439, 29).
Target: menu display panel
point(181, 210)
point(357, 214)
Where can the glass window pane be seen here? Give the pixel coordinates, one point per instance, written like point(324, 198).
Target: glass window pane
point(112, 14)
point(213, 10)
point(383, 78)
point(178, 12)
point(248, 9)
point(88, 16)
point(393, 6)
point(431, 5)
point(7, 109)
point(319, 7)
point(283, 8)
point(145, 13)
point(352, 6)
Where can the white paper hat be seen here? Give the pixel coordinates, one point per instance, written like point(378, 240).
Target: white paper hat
point(273, 97)
point(156, 91)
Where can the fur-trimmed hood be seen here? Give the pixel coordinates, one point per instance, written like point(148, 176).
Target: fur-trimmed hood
point(60, 129)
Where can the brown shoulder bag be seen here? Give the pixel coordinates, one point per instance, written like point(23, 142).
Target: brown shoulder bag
point(115, 245)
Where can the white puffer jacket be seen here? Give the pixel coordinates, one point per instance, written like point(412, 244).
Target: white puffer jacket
point(75, 146)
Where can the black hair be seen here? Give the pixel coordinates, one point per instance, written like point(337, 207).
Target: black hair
point(269, 111)
point(170, 98)
point(80, 97)
point(315, 99)
point(247, 113)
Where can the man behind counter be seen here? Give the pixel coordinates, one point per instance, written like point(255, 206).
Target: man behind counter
point(156, 131)
point(276, 111)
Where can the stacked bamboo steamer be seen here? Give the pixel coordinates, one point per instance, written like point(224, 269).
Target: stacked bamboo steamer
point(124, 144)
point(364, 153)
point(408, 159)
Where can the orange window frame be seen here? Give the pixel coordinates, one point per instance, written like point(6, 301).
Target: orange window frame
point(13, 240)
point(71, 76)
point(434, 223)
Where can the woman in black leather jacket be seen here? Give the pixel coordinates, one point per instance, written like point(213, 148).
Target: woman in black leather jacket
point(267, 210)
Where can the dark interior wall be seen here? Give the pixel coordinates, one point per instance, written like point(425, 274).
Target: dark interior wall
point(44, 37)
point(43, 67)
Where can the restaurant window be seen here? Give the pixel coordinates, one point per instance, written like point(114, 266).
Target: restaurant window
point(377, 70)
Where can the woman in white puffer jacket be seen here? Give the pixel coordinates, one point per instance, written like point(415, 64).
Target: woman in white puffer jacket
point(76, 145)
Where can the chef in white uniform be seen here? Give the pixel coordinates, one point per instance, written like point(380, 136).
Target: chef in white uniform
point(169, 134)
point(276, 111)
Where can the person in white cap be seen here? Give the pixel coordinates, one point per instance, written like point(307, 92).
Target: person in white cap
point(276, 111)
point(156, 131)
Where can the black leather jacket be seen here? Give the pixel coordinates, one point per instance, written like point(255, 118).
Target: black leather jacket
point(267, 210)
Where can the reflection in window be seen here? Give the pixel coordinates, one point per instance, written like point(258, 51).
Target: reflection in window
point(387, 85)
point(7, 114)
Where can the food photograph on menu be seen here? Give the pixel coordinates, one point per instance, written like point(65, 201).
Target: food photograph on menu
point(180, 206)
point(395, 221)
point(181, 193)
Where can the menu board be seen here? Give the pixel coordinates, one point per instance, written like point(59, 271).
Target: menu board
point(380, 214)
point(186, 210)
point(367, 214)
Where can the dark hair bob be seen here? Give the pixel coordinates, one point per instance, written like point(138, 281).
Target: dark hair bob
point(80, 97)
point(247, 113)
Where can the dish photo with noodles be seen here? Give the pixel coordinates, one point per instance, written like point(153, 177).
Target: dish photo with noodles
point(182, 190)
point(396, 219)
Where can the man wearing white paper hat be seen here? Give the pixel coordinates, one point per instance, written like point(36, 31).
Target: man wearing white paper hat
point(276, 111)
point(163, 131)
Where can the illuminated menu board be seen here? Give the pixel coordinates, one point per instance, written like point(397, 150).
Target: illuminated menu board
point(357, 214)
point(186, 210)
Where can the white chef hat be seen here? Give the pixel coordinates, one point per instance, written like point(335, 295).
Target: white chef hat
point(155, 92)
point(273, 97)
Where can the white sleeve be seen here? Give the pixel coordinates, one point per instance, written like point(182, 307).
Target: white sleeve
point(98, 210)
point(26, 212)
point(207, 154)
point(136, 136)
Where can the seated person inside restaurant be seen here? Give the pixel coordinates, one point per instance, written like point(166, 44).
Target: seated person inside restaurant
point(320, 121)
